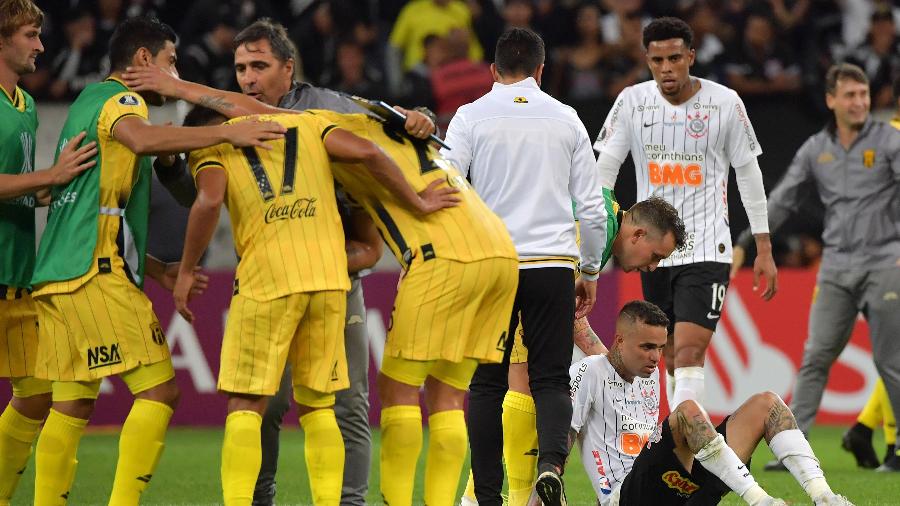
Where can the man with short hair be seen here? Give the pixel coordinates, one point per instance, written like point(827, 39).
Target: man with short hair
point(94, 319)
point(683, 134)
point(20, 45)
point(529, 157)
point(853, 164)
point(267, 66)
point(633, 459)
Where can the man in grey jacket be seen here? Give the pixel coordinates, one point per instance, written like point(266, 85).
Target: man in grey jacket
point(854, 164)
point(264, 63)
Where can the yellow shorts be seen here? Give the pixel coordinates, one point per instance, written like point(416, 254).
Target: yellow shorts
point(305, 330)
point(104, 327)
point(448, 310)
point(18, 336)
point(139, 379)
point(413, 372)
point(519, 353)
point(28, 386)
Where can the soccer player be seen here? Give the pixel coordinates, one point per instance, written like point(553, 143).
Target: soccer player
point(632, 459)
point(639, 238)
point(266, 67)
point(451, 313)
point(94, 320)
point(291, 245)
point(20, 44)
point(853, 164)
point(683, 134)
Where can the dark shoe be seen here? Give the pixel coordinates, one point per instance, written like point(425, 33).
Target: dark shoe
point(890, 451)
point(891, 465)
point(549, 486)
point(856, 442)
point(774, 465)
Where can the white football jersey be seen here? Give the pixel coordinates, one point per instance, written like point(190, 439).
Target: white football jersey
point(614, 420)
point(683, 154)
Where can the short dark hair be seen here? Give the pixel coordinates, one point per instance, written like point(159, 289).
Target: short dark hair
point(275, 33)
point(661, 215)
point(135, 33)
point(520, 51)
point(843, 71)
point(668, 28)
point(202, 116)
point(641, 311)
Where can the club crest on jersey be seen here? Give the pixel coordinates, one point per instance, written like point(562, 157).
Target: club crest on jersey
point(825, 157)
point(129, 100)
point(520, 100)
point(683, 486)
point(650, 401)
point(869, 158)
point(697, 124)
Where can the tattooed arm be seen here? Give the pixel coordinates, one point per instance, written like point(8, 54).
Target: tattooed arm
point(586, 339)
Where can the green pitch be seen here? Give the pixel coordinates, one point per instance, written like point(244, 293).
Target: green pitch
point(189, 472)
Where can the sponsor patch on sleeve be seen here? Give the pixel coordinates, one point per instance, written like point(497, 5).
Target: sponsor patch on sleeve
point(129, 100)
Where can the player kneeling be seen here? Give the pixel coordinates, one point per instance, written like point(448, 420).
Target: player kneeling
point(631, 459)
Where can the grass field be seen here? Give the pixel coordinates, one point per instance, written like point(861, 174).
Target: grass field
point(189, 473)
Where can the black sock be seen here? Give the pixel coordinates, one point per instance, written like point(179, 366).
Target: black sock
point(862, 429)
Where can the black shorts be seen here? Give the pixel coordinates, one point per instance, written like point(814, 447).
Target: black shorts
point(692, 293)
point(658, 477)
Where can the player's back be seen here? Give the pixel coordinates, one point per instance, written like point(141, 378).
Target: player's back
point(287, 229)
point(466, 233)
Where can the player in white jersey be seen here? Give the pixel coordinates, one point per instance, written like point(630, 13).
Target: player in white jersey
point(683, 134)
point(630, 459)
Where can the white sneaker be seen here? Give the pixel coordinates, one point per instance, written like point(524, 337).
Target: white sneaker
point(466, 501)
point(834, 500)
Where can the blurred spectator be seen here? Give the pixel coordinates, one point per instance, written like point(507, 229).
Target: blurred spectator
point(417, 20)
point(458, 80)
point(210, 60)
point(487, 25)
point(579, 73)
point(879, 57)
point(518, 14)
point(416, 87)
point(801, 251)
point(708, 46)
point(619, 12)
point(194, 23)
point(109, 14)
point(626, 64)
point(789, 13)
point(353, 75)
point(759, 63)
point(80, 61)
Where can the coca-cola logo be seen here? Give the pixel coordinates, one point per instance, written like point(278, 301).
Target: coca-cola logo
point(300, 208)
point(675, 481)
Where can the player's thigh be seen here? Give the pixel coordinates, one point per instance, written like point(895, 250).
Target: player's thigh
point(18, 335)
point(317, 356)
point(144, 378)
point(657, 288)
point(257, 340)
point(832, 315)
point(491, 306)
point(699, 293)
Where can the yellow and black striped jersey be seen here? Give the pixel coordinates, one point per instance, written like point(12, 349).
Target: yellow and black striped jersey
point(287, 229)
point(465, 233)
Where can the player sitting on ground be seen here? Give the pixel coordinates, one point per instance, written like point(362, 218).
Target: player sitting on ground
point(616, 408)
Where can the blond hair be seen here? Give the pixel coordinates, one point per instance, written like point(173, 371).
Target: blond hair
point(15, 14)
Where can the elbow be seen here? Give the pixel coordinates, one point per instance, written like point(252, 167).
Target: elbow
point(209, 203)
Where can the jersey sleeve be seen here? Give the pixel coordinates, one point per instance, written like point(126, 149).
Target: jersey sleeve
point(590, 205)
point(206, 158)
point(741, 144)
point(119, 107)
point(459, 139)
point(582, 380)
point(615, 135)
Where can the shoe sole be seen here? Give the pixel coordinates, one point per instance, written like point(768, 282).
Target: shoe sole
point(550, 489)
point(861, 460)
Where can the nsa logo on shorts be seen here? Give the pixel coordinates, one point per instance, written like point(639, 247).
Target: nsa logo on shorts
point(129, 100)
point(158, 336)
point(101, 356)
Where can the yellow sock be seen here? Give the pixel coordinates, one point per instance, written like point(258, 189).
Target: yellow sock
point(241, 457)
point(55, 460)
point(140, 446)
point(323, 450)
point(448, 442)
point(469, 493)
point(401, 442)
point(871, 414)
point(519, 445)
point(17, 433)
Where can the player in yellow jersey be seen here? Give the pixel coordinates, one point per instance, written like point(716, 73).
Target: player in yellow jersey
point(94, 320)
point(289, 302)
point(452, 309)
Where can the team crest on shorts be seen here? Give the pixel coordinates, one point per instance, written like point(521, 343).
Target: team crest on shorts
point(158, 336)
point(697, 125)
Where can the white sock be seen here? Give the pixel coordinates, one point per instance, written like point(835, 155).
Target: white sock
point(792, 448)
point(689, 384)
point(670, 390)
point(719, 459)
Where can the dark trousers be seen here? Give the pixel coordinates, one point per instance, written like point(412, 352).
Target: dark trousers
point(545, 304)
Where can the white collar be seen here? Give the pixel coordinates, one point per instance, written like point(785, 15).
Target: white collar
point(528, 82)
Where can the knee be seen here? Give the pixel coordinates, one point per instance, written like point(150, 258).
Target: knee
point(168, 393)
point(688, 355)
point(689, 409)
point(35, 407)
point(765, 401)
point(440, 396)
point(79, 408)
